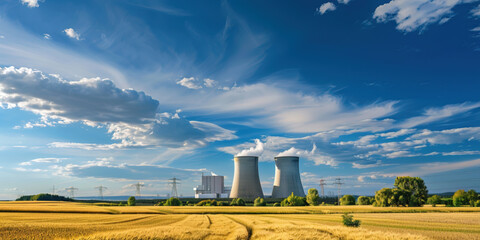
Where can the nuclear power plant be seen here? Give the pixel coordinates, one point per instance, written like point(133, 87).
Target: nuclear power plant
point(246, 182)
point(287, 178)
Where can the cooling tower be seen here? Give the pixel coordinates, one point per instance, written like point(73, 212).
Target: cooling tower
point(246, 183)
point(287, 178)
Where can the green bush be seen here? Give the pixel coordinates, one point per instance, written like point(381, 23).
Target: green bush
point(460, 198)
point(173, 202)
point(277, 204)
point(293, 200)
point(434, 200)
point(208, 202)
point(237, 202)
point(477, 203)
point(349, 222)
point(222, 203)
point(347, 200)
point(131, 201)
point(259, 202)
point(312, 197)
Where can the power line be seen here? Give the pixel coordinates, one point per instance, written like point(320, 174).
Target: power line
point(339, 183)
point(71, 190)
point(138, 187)
point(322, 186)
point(174, 183)
point(100, 190)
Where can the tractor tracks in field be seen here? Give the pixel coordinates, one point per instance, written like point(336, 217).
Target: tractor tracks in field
point(248, 228)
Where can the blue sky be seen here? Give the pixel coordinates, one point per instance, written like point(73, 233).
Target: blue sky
point(118, 92)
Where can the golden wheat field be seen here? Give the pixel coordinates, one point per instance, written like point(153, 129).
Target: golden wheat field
point(56, 220)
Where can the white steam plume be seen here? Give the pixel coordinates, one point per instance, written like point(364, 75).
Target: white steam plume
point(253, 151)
point(293, 152)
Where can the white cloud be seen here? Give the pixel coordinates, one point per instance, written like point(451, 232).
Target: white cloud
point(130, 116)
point(47, 36)
point(190, 82)
point(71, 33)
point(411, 15)
point(343, 1)
point(329, 6)
point(209, 82)
point(448, 136)
point(364, 166)
point(401, 132)
point(476, 11)
point(281, 108)
point(460, 153)
point(30, 3)
point(436, 114)
point(425, 169)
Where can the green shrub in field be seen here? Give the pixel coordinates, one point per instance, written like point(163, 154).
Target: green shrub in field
point(222, 203)
point(434, 200)
point(362, 200)
point(349, 222)
point(173, 202)
point(293, 200)
point(259, 202)
point(347, 200)
point(131, 201)
point(237, 202)
point(477, 203)
point(312, 197)
point(460, 198)
point(208, 202)
point(277, 204)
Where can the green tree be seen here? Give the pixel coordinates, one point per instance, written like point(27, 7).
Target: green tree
point(347, 200)
point(293, 200)
point(460, 198)
point(131, 201)
point(259, 202)
point(312, 197)
point(472, 197)
point(237, 202)
point(434, 200)
point(362, 200)
point(416, 186)
point(173, 202)
point(383, 197)
point(400, 197)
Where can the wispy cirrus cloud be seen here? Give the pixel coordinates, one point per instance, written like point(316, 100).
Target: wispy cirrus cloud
point(412, 15)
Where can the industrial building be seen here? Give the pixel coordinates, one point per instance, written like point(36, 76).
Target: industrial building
point(246, 182)
point(212, 187)
point(287, 178)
